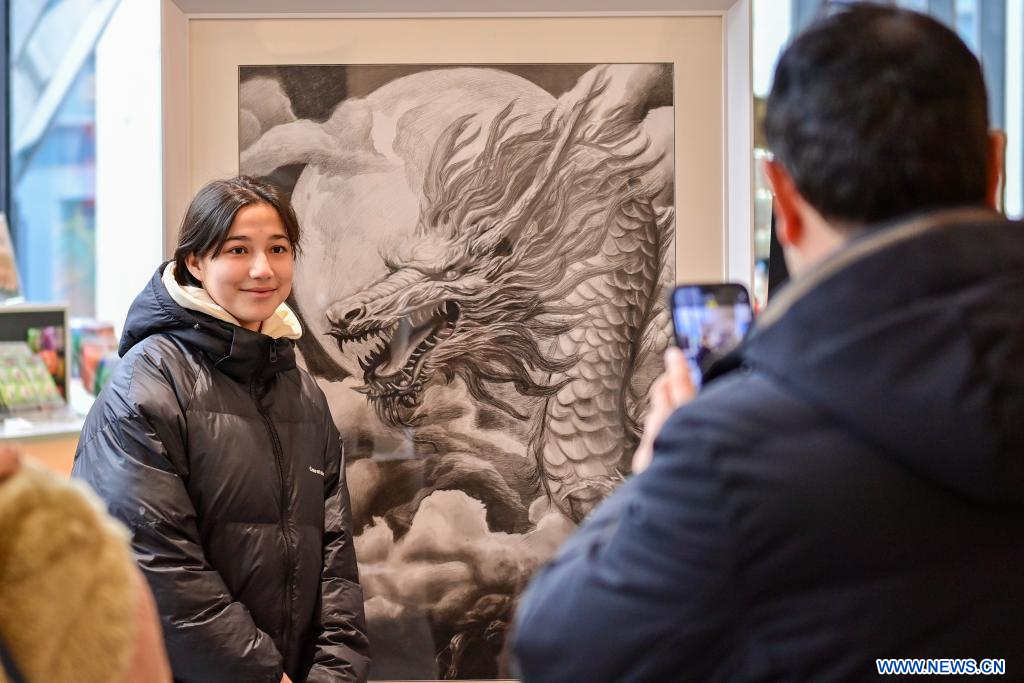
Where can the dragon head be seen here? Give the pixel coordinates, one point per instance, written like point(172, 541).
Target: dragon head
point(503, 238)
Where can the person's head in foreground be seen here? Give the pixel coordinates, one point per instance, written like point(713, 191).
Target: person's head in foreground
point(74, 607)
point(848, 487)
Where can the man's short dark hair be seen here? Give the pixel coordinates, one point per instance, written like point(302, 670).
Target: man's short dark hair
point(878, 112)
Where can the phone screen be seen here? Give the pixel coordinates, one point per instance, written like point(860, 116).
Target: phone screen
point(709, 320)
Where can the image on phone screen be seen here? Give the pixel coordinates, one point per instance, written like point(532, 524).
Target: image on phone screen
point(709, 320)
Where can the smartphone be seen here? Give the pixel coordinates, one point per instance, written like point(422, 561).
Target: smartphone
point(709, 321)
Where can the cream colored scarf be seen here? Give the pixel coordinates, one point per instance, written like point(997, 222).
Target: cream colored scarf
point(283, 323)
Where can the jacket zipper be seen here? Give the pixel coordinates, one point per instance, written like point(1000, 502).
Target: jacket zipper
point(279, 457)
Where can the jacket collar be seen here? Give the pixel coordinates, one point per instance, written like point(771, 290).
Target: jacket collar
point(860, 248)
point(242, 354)
point(281, 324)
point(909, 339)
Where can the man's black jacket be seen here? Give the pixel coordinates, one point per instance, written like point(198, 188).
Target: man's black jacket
point(222, 459)
point(850, 488)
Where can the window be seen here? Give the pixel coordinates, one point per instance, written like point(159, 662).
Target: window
point(52, 153)
point(84, 150)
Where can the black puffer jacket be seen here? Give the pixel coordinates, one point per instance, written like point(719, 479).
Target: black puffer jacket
point(221, 457)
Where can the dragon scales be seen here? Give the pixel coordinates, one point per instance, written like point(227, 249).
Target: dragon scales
point(538, 264)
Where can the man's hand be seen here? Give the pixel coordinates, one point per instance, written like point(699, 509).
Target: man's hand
point(671, 389)
point(285, 679)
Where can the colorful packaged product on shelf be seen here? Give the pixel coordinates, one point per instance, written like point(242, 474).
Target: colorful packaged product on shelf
point(103, 371)
point(93, 352)
point(25, 381)
point(96, 358)
point(47, 343)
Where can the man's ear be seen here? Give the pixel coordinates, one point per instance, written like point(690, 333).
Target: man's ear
point(194, 266)
point(995, 170)
point(788, 221)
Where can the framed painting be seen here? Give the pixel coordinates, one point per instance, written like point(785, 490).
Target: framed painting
point(493, 208)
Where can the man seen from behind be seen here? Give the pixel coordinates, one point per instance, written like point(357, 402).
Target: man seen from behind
point(848, 486)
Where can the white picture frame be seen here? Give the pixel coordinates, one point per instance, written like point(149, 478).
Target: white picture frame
point(205, 41)
point(199, 108)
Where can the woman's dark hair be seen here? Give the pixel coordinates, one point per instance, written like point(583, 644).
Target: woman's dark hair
point(878, 112)
point(209, 217)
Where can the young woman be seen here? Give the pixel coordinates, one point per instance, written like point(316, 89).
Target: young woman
point(222, 458)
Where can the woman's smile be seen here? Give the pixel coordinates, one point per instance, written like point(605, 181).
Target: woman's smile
point(261, 292)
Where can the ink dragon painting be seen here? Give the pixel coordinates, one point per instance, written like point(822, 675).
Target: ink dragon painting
point(481, 281)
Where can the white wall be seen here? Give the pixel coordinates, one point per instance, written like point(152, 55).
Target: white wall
point(739, 181)
point(771, 32)
point(1014, 108)
point(129, 167)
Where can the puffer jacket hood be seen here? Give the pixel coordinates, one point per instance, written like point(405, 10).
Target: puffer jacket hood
point(240, 353)
point(928, 367)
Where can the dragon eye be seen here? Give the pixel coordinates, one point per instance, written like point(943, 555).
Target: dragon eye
point(449, 275)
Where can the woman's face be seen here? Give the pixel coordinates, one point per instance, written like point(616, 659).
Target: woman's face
point(251, 275)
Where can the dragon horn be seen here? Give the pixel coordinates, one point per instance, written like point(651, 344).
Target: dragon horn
point(499, 126)
point(520, 213)
point(444, 148)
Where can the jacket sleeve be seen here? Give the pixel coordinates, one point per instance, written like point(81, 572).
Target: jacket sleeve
point(641, 591)
point(342, 648)
point(133, 454)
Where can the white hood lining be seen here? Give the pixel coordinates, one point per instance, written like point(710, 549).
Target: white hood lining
point(283, 323)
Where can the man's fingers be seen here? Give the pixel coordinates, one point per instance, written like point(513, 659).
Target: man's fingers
point(670, 390)
point(642, 456)
point(661, 401)
point(656, 386)
point(680, 384)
